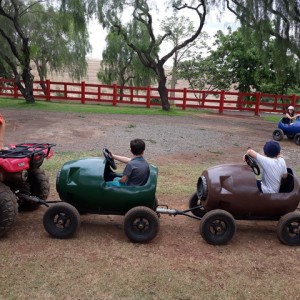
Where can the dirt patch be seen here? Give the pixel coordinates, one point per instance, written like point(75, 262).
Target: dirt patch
point(178, 263)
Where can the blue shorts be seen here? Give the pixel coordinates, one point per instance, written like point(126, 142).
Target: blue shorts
point(115, 182)
point(258, 182)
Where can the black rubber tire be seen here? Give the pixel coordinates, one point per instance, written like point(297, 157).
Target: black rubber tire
point(194, 202)
point(61, 220)
point(297, 139)
point(8, 209)
point(288, 229)
point(37, 185)
point(141, 224)
point(278, 134)
point(217, 227)
point(202, 189)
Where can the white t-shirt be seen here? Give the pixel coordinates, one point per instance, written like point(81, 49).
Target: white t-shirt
point(273, 170)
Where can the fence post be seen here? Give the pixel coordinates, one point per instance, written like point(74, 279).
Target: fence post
point(114, 95)
point(99, 93)
point(131, 94)
point(203, 99)
point(275, 103)
point(222, 97)
point(257, 103)
point(65, 92)
point(16, 95)
point(82, 92)
point(47, 90)
point(148, 97)
point(184, 99)
point(294, 100)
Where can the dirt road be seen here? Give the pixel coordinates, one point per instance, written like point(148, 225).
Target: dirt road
point(199, 137)
point(100, 263)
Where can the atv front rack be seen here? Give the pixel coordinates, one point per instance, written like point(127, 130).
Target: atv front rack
point(31, 153)
point(26, 150)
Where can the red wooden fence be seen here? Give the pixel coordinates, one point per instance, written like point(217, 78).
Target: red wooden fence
point(148, 96)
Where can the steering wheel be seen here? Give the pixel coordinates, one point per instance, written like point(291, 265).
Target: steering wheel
point(109, 158)
point(252, 163)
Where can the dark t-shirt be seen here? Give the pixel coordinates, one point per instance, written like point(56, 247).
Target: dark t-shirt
point(137, 170)
point(287, 120)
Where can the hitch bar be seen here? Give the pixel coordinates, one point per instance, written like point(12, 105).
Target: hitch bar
point(163, 209)
point(32, 199)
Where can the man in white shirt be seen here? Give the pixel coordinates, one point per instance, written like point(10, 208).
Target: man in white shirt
point(273, 166)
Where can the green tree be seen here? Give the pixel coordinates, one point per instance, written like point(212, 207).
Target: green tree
point(120, 64)
point(180, 28)
point(110, 15)
point(232, 63)
point(277, 18)
point(33, 31)
point(235, 60)
point(60, 48)
point(15, 45)
point(201, 73)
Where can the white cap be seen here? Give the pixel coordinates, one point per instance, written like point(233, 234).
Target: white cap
point(291, 108)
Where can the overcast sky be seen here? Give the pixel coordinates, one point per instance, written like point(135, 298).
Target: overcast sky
point(212, 25)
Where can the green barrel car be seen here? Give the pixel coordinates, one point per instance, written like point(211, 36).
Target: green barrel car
point(82, 188)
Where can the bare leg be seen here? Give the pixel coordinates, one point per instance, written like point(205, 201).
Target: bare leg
point(2, 131)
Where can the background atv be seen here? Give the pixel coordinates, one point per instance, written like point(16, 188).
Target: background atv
point(81, 185)
point(22, 182)
point(226, 193)
point(288, 128)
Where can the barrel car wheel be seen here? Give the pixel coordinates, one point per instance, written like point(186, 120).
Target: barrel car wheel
point(217, 227)
point(288, 229)
point(278, 134)
point(141, 224)
point(194, 201)
point(297, 139)
point(61, 220)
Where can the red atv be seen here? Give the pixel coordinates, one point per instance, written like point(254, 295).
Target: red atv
point(22, 182)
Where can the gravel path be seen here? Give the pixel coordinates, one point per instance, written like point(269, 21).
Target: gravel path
point(166, 137)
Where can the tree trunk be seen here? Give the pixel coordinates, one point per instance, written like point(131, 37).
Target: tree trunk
point(26, 88)
point(162, 89)
point(26, 92)
point(121, 92)
point(174, 77)
point(26, 74)
point(42, 70)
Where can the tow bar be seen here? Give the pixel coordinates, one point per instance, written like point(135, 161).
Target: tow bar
point(163, 209)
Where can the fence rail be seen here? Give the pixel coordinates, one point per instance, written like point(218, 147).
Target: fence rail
point(148, 96)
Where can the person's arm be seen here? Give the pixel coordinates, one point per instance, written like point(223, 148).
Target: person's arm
point(292, 117)
point(284, 175)
point(123, 179)
point(120, 158)
point(252, 153)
